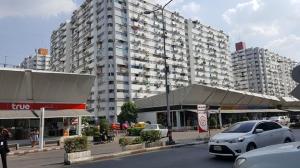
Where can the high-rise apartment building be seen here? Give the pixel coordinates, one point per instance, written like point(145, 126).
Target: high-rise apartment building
point(262, 71)
point(124, 49)
point(39, 61)
point(209, 57)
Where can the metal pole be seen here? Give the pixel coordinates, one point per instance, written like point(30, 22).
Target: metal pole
point(42, 119)
point(79, 125)
point(166, 80)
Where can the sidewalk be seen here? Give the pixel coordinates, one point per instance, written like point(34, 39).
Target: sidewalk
point(179, 137)
point(55, 158)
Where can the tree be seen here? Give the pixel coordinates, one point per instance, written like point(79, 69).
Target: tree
point(128, 112)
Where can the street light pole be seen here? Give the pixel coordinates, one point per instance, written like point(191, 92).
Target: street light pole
point(171, 141)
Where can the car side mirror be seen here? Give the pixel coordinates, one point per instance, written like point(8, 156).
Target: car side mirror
point(257, 131)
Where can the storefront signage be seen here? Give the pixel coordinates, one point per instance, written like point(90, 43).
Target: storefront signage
point(38, 106)
point(20, 106)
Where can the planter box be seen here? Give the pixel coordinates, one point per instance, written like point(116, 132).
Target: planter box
point(77, 157)
point(154, 144)
point(133, 147)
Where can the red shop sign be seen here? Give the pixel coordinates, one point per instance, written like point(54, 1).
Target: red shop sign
point(38, 106)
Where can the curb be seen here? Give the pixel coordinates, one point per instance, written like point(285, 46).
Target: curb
point(133, 152)
point(22, 152)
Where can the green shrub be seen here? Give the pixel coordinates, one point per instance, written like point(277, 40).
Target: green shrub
point(213, 122)
point(104, 125)
point(124, 141)
point(137, 140)
point(150, 136)
point(89, 131)
point(130, 141)
point(134, 131)
point(77, 144)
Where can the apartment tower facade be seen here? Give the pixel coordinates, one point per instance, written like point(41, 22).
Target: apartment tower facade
point(262, 71)
point(124, 49)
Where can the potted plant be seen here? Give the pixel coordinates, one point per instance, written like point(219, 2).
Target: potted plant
point(76, 149)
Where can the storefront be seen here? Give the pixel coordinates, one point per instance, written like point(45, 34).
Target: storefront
point(25, 93)
point(223, 104)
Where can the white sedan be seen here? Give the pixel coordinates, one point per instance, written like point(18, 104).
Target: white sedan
point(275, 156)
point(163, 131)
point(248, 135)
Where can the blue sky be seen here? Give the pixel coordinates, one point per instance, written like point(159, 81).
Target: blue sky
point(274, 24)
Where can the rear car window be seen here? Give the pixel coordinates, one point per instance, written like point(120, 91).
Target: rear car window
point(150, 126)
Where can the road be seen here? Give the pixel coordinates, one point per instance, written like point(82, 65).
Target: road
point(189, 157)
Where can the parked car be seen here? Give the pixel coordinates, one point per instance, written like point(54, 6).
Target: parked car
point(140, 125)
point(115, 126)
point(163, 131)
point(295, 118)
point(283, 120)
point(248, 135)
point(275, 156)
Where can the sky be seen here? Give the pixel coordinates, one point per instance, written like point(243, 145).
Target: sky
point(26, 25)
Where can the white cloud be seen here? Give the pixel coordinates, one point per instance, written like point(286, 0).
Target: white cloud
point(288, 46)
point(251, 6)
point(266, 23)
point(265, 30)
point(192, 9)
point(35, 8)
point(189, 9)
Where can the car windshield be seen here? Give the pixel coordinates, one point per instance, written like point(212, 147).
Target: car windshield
point(150, 126)
point(240, 127)
point(273, 118)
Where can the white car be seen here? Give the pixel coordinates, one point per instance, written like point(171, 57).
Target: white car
point(275, 156)
point(248, 135)
point(283, 120)
point(163, 131)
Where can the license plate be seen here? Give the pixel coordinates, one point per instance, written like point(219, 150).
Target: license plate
point(217, 148)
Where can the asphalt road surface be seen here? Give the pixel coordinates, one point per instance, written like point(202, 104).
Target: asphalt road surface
point(184, 157)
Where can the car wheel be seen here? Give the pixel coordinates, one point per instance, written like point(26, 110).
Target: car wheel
point(287, 140)
point(250, 146)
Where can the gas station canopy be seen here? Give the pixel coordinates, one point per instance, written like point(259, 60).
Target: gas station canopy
point(24, 92)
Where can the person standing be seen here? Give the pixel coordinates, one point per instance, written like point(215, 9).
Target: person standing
point(34, 137)
point(4, 135)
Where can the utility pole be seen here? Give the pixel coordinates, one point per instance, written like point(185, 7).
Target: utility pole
point(5, 61)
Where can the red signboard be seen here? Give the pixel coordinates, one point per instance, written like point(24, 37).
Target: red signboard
point(38, 106)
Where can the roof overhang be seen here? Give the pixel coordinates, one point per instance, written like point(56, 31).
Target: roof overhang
point(213, 96)
point(19, 85)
